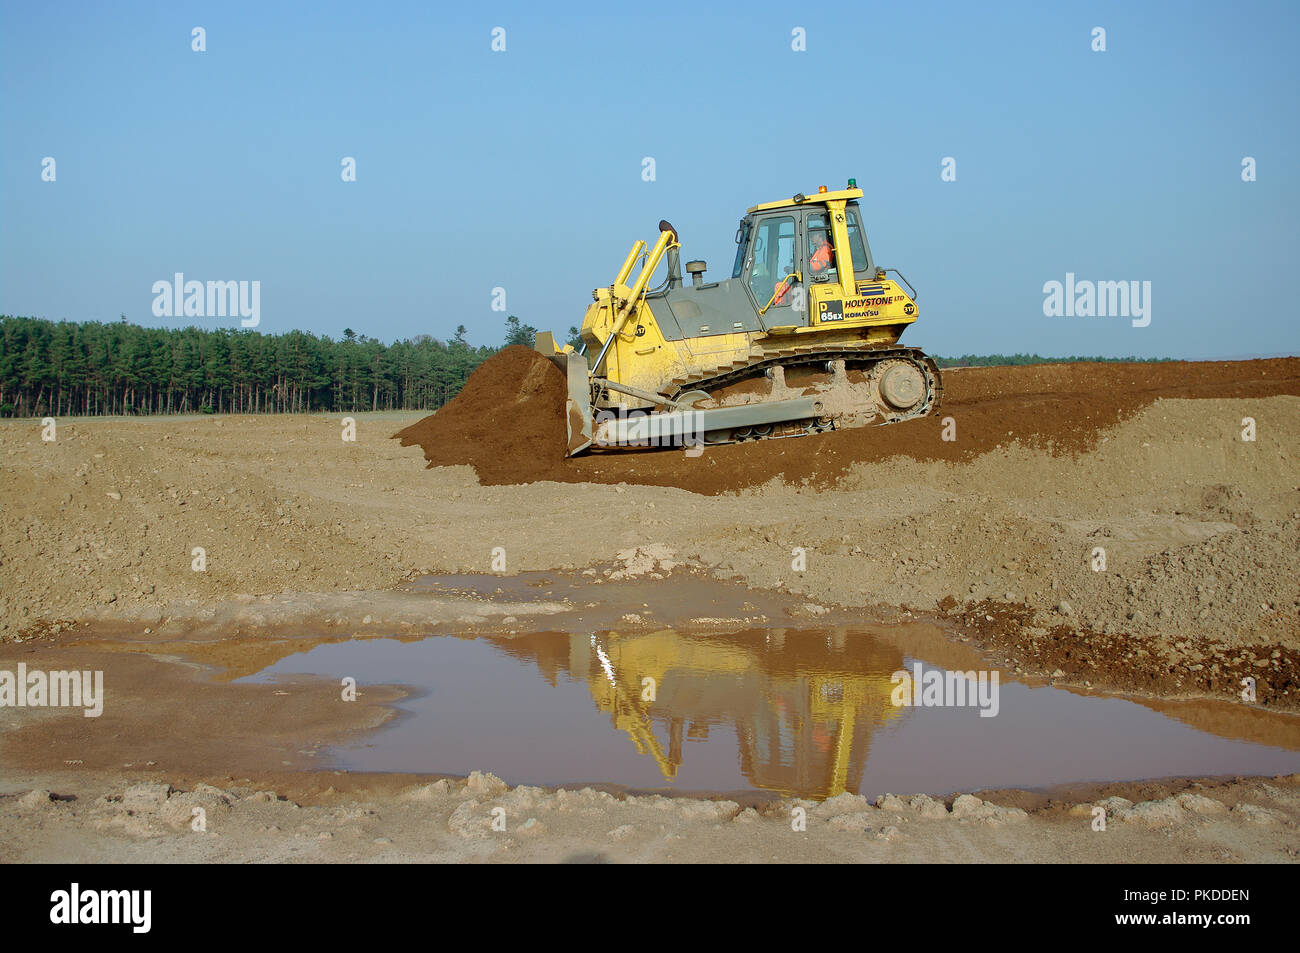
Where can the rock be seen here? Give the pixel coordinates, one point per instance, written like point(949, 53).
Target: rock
point(921, 804)
point(523, 798)
point(889, 832)
point(1058, 674)
point(927, 806)
point(1152, 813)
point(967, 806)
point(726, 810)
point(621, 832)
point(1064, 608)
point(1199, 804)
point(427, 792)
point(480, 784)
point(641, 560)
point(891, 802)
point(747, 816)
point(841, 804)
point(35, 799)
point(470, 820)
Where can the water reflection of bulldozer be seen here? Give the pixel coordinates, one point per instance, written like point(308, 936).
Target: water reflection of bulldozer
point(804, 704)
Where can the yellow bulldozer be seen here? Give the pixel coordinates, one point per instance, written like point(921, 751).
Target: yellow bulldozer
point(800, 339)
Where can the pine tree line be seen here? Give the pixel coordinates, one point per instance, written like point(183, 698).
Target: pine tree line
point(66, 368)
point(991, 360)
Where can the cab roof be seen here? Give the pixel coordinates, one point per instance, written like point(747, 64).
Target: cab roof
point(811, 198)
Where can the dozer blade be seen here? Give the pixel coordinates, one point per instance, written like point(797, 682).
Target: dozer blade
point(694, 427)
point(577, 408)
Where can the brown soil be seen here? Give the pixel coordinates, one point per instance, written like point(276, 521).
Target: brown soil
point(175, 717)
point(508, 423)
point(1196, 665)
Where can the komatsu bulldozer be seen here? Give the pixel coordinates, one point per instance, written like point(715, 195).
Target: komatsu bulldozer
point(801, 338)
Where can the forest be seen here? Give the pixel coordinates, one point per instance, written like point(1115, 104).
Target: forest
point(69, 368)
point(990, 360)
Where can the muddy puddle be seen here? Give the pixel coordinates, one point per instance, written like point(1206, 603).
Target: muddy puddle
point(802, 712)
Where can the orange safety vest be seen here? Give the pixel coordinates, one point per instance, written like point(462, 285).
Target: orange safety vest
point(781, 289)
point(821, 260)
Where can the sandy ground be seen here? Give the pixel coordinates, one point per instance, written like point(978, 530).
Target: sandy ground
point(1199, 529)
point(1200, 588)
point(482, 820)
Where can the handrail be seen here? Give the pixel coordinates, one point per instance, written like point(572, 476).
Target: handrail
point(789, 279)
point(910, 289)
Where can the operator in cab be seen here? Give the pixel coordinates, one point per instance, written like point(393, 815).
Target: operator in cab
point(821, 256)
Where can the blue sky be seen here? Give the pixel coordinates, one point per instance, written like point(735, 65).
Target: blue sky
point(523, 169)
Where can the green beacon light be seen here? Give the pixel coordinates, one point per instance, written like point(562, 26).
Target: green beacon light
point(853, 183)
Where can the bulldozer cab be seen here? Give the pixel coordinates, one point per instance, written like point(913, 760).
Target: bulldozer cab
point(799, 263)
point(794, 256)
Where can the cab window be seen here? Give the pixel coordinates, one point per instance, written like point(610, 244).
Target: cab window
point(821, 247)
point(857, 241)
point(774, 247)
point(742, 246)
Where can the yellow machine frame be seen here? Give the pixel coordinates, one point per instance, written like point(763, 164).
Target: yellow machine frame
point(847, 311)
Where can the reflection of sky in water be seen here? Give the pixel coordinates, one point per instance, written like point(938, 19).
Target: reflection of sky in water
point(803, 714)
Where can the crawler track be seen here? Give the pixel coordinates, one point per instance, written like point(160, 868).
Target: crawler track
point(857, 413)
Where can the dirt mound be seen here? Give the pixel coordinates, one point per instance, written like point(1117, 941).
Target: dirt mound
point(508, 423)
